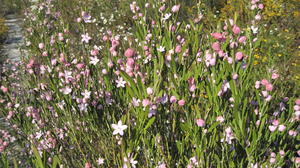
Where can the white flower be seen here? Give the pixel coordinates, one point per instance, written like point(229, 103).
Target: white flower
point(120, 82)
point(100, 161)
point(86, 38)
point(135, 102)
point(167, 16)
point(66, 90)
point(119, 128)
point(94, 60)
point(254, 29)
point(161, 49)
point(86, 94)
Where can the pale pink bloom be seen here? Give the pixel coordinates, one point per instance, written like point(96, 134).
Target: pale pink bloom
point(94, 52)
point(220, 119)
point(178, 49)
point(297, 101)
point(130, 62)
point(45, 54)
point(269, 97)
point(175, 8)
point(281, 152)
point(119, 128)
point(296, 107)
point(120, 82)
point(41, 45)
point(281, 128)
point(4, 89)
point(173, 99)
point(275, 122)
point(235, 76)
point(269, 87)
point(146, 102)
point(260, 6)
point(236, 29)
point(297, 160)
point(200, 122)
point(257, 17)
point(80, 66)
point(275, 75)
point(162, 8)
point(100, 161)
point(216, 46)
point(163, 165)
point(135, 102)
point(292, 133)
point(264, 82)
point(85, 38)
point(242, 39)
point(181, 102)
point(149, 91)
point(272, 160)
point(230, 60)
point(87, 165)
point(253, 7)
point(129, 53)
point(66, 90)
point(272, 128)
point(217, 36)
point(94, 60)
point(239, 56)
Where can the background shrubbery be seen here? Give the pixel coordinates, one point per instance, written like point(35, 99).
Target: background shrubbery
point(203, 84)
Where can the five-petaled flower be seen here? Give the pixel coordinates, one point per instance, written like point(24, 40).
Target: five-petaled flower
point(86, 38)
point(119, 128)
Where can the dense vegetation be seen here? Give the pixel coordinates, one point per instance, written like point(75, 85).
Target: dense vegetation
point(154, 83)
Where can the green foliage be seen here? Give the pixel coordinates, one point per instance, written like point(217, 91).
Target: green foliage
point(74, 94)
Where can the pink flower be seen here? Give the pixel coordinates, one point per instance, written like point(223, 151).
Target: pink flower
point(296, 107)
point(297, 101)
point(236, 29)
point(264, 82)
point(87, 165)
point(242, 39)
point(217, 36)
point(281, 128)
point(220, 119)
point(260, 6)
point(146, 102)
point(4, 89)
point(272, 160)
point(275, 122)
point(149, 91)
point(239, 56)
point(181, 102)
point(173, 99)
point(41, 45)
point(94, 52)
point(292, 133)
point(275, 75)
point(130, 62)
point(129, 53)
point(200, 122)
point(80, 66)
point(269, 87)
point(272, 128)
point(235, 76)
point(216, 46)
point(175, 8)
point(178, 49)
point(257, 17)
